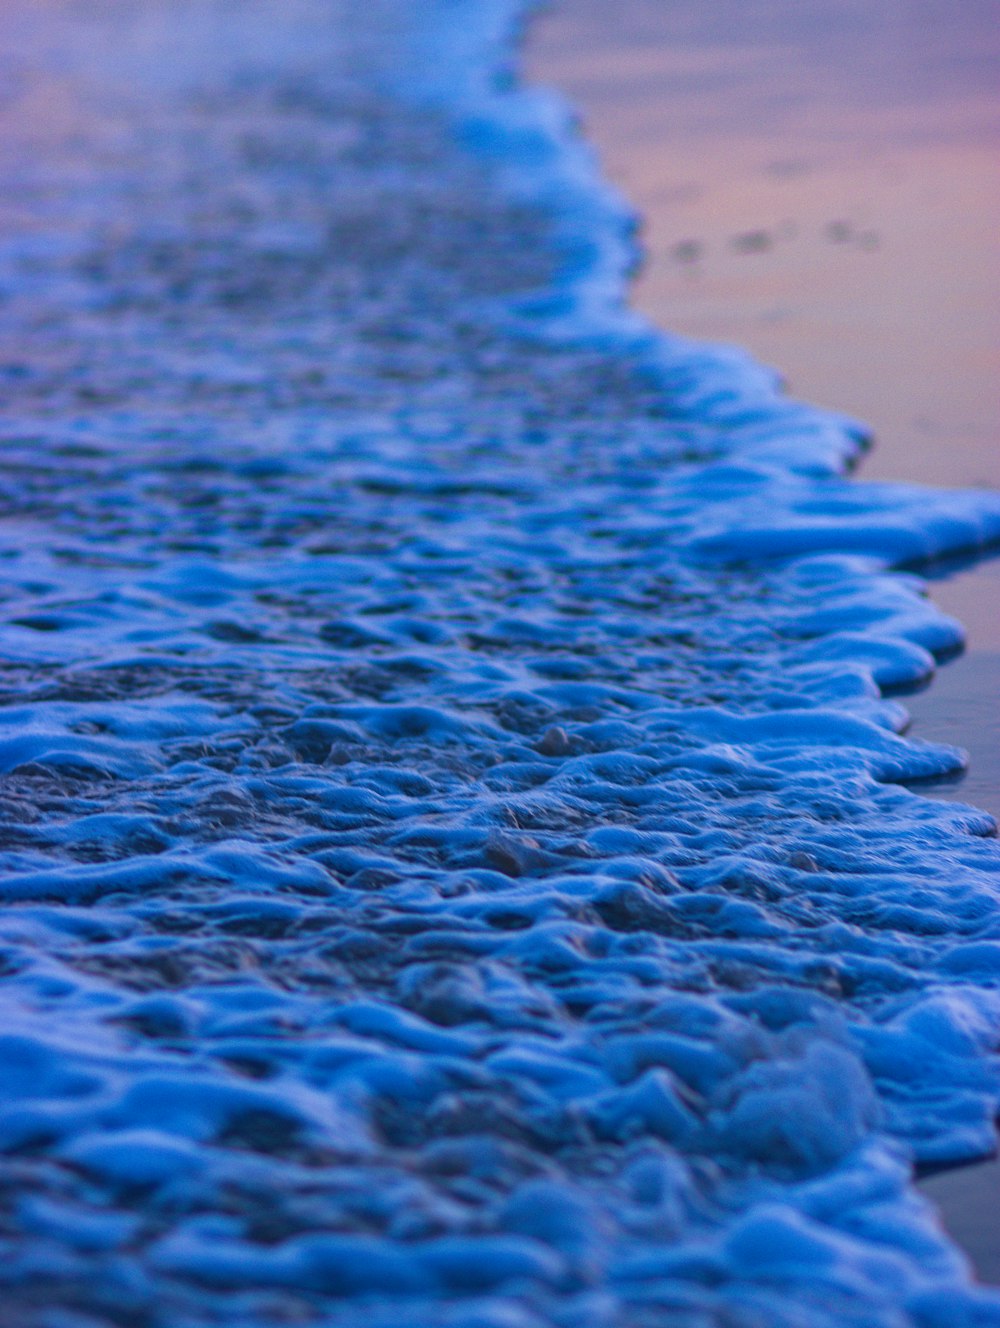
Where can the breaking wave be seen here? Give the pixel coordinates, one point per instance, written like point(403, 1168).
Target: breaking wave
point(458, 862)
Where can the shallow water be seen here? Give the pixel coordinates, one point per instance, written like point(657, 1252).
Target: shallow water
point(457, 857)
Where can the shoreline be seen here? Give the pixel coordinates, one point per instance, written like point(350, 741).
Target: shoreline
point(855, 254)
point(437, 886)
point(839, 231)
point(745, 284)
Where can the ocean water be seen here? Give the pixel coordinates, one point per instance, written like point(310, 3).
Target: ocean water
point(460, 861)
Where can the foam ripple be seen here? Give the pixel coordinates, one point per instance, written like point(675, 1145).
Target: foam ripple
point(458, 859)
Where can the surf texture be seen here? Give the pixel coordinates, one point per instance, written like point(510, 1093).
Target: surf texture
point(459, 863)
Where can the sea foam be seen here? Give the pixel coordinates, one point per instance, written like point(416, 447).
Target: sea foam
point(459, 866)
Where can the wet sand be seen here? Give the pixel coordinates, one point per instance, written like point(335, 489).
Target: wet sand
point(819, 181)
point(968, 1199)
point(826, 194)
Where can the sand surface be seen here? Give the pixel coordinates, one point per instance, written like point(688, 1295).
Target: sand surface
point(819, 182)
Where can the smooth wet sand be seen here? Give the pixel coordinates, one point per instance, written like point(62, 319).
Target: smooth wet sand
point(969, 1201)
point(819, 181)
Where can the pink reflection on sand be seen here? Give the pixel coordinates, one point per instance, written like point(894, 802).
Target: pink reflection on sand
point(820, 182)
